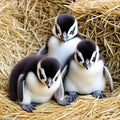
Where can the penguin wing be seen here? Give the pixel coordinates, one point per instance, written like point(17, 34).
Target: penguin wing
point(20, 87)
point(109, 77)
point(65, 68)
point(42, 50)
point(64, 71)
point(59, 94)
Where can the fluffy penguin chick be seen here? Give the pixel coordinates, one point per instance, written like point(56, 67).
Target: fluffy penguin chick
point(35, 80)
point(63, 40)
point(86, 72)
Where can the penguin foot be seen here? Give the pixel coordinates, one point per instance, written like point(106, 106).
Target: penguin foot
point(98, 94)
point(63, 102)
point(29, 107)
point(72, 96)
point(34, 104)
point(66, 101)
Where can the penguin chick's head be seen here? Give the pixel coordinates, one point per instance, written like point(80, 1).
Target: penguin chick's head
point(66, 27)
point(87, 53)
point(48, 70)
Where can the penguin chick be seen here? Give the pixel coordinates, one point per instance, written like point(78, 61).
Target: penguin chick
point(86, 72)
point(64, 39)
point(36, 79)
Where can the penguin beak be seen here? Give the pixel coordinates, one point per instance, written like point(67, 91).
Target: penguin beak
point(49, 82)
point(64, 36)
point(87, 64)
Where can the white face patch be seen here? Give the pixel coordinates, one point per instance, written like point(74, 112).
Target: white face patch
point(71, 33)
point(95, 56)
point(73, 30)
point(80, 56)
point(41, 73)
point(56, 28)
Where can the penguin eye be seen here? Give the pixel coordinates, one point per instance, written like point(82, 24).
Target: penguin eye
point(78, 58)
point(56, 78)
point(72, 32)
point(93, 59)
point(41, 75)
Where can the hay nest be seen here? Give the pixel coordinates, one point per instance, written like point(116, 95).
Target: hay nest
point(24, 27)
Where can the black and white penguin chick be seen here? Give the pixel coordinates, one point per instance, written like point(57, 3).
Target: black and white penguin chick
point(86, 72)
point(63, 40)
point(35, 80)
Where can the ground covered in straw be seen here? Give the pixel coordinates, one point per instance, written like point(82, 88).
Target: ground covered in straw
point(24, 28)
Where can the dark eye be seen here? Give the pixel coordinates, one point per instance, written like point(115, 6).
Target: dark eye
point(57, 32)
point(78, 58)
point(41, 75)
point(56, 78)
point(72, 32)
point(94, 58)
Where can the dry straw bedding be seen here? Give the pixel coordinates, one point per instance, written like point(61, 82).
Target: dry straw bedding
point(24, 27)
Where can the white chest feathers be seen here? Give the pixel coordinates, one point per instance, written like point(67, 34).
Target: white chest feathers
point(62, 50)
point(35, 91)
point(85, 81)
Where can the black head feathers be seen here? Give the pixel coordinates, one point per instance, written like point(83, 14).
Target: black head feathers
point(65, 21)
point(51, 68)
point(86, 47)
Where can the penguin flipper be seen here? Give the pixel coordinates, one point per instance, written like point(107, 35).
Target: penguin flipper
point(20, 87)
point(59, 96)
point(42, 50)
point(109, 77)
point(27, 107)
point(64, 71)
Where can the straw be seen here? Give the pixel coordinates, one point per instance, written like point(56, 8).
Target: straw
point(24, 28)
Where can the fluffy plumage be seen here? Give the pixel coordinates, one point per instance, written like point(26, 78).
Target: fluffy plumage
point(36, 79)
point(86, 71)
point(63, 40)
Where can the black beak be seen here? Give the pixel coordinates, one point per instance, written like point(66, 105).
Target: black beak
point(49, 82)
point(87, 64)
